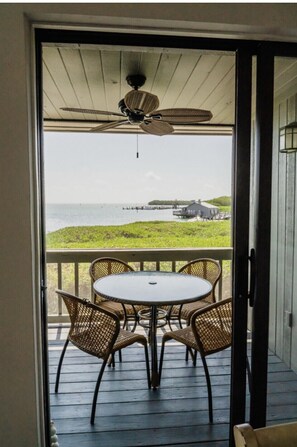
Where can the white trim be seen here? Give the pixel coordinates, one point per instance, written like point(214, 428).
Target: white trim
point(35, 230)
point(164, 27)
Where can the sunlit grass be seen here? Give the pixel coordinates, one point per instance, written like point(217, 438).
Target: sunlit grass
point(144, 235)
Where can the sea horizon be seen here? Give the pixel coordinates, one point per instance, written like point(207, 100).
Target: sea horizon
point(61, 215)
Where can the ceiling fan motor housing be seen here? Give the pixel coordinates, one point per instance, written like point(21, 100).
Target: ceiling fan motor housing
point(136, 81)
point(133, 117)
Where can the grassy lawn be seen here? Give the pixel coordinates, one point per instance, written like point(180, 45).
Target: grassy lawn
point(144, 235)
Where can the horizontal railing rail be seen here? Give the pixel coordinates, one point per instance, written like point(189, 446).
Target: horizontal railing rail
point(68, 269)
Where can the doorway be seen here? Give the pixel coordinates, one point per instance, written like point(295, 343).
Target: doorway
point(241, 165)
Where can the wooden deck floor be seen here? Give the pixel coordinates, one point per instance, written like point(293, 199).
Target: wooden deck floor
point(128, 414)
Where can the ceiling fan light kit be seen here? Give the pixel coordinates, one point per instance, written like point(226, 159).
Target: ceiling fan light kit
point(140, 107)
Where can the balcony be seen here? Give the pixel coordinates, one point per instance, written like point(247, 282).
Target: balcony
point(128, 414)
point(68, 269)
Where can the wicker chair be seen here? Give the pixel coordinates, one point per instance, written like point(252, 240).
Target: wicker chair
point(204, 268)
point(210, 331)
point(97, 332)
point(108, 266)
point(284, 435)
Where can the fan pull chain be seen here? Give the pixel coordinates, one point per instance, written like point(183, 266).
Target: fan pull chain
point(137, 153)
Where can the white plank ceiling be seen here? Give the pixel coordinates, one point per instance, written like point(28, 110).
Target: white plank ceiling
point(95, 78)
point(91, 77)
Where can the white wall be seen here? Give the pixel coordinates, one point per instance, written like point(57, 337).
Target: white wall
point(20, 423)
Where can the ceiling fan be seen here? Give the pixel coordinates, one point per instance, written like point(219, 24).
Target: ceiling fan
point(140, 107)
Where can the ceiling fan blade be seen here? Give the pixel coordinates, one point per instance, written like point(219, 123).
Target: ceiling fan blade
point(157, 127)
point(109, 125)
point(141, 101)
point(182, 116)
point(94, 111)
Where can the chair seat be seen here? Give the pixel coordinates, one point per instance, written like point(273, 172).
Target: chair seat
point(114, 307)
point(184, 336)
point(189, 308)
point(213, 335)
point(126, 338)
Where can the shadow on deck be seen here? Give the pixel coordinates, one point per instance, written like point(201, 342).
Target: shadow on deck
point(128, 414)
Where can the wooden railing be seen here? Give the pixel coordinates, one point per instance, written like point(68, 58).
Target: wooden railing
point(68, 269)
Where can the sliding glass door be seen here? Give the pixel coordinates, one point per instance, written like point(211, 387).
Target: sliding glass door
point(273, 199)
point(251, 210)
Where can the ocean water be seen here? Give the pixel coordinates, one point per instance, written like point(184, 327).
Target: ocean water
point(68, 215)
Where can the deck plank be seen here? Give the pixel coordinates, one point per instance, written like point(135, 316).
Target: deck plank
point(129, 414)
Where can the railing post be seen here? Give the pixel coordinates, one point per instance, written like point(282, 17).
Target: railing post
point(76, 278)
point(59, 287)
point(221, 282)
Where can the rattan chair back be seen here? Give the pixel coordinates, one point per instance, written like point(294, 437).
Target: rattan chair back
point(212, 327)
point(210, 331)
point(96, 331)
point(93, 329)
point(107, 266)
point(206, 268)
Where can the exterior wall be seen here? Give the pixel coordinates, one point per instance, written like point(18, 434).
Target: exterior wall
point(282, 337)
point(21, 422)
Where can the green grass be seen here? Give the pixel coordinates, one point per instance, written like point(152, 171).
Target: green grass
point(220, 201)
point(144, 235)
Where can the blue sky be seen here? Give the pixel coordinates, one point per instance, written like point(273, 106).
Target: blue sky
point(97, 168)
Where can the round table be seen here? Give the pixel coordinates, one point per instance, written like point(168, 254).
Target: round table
point(152, 289)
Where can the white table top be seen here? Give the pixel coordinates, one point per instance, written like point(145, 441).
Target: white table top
point(152, 288)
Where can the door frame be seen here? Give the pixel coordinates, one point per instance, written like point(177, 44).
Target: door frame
point(240, 227)
point(263, 156)
point(266, 53)
point(243, 50)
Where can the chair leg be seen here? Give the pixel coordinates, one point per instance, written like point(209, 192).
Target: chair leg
point(179, 317)
point(147, 366)
point(180, 323)
point(135, 319)
point(149, 336)
point(208, 389)
point(187, 348)
point(125, 320)
point(60, 365)
point(161, 359)
point(193, 356)
point(96, 390)
point(135, 323)
point(169, 324)
point(168, 318)
point(111, 361)
point(120, 356)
